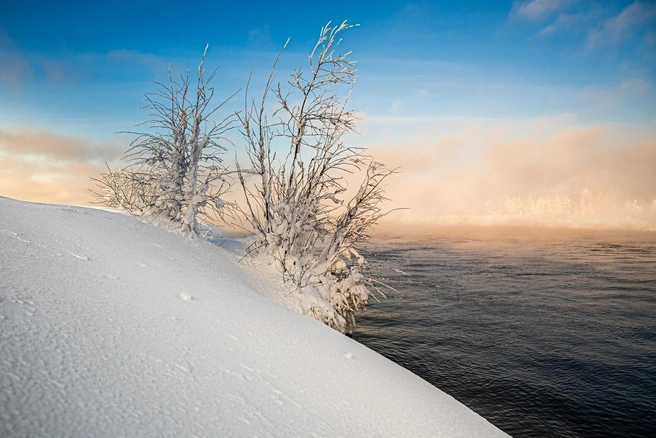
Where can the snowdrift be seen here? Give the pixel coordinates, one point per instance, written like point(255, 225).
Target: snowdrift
point(114, 327)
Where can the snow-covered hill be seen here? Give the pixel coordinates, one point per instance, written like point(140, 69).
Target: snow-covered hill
point(113, 327)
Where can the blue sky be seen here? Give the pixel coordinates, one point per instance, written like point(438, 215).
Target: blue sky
point(470, 73)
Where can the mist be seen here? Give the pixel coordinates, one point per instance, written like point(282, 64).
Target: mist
point(573, 176)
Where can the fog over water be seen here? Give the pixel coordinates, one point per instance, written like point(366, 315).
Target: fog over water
point(546, 173)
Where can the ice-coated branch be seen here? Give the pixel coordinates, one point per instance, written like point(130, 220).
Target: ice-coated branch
point(175, 169)
point(296, 206)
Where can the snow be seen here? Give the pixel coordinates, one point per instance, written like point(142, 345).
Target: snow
point(114, 327)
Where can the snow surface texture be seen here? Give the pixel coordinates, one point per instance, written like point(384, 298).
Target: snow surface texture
point(113, 327)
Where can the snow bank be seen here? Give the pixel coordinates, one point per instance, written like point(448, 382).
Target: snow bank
point(113, 327)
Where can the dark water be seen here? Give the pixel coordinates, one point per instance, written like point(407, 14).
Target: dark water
point(545, 334)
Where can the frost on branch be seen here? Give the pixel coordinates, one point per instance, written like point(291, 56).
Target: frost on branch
point(174, 169)
point(295, 201)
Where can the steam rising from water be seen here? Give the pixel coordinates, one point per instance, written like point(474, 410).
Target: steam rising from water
point(572, 177)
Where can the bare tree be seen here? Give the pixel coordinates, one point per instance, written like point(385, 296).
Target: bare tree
point(296, 206)
point(174, 169)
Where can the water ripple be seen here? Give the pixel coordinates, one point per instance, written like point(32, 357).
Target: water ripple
point(542, 336)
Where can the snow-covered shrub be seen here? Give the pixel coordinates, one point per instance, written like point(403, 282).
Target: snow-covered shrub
point(174, 167)
point(296, 204)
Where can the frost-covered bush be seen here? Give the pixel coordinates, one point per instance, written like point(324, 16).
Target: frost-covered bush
point(295, 199)
point(175, 169)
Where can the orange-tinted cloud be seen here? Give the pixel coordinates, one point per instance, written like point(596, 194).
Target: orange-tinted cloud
point(56, 146)
point(43, 166)
point(47, 182)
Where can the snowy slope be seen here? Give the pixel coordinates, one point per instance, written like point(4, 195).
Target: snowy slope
point(97, 339)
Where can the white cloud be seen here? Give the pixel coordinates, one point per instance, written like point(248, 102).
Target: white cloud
point(538, 9)
point(612, 97)
point(397, 106)
point(635, 87)
point(623, 25)
point(564, 22)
